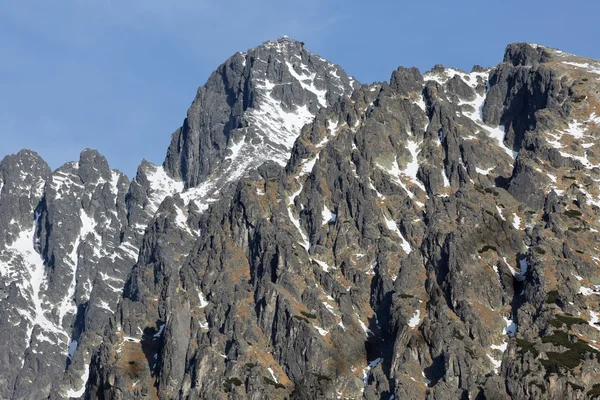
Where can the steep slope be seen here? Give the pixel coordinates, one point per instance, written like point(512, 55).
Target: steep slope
point(250, 111)
point(72, 236)
point(428, 238)
point(431, 237)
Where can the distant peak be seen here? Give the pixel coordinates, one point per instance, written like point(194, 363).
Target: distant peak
point(283, 42)
point(527, 54)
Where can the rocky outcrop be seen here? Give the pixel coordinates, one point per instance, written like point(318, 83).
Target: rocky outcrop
point(431, 237)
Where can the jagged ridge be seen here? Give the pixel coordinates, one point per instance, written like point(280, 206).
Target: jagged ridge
point(424, 239)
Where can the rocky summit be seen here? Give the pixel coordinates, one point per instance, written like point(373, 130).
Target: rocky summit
point(310, 237)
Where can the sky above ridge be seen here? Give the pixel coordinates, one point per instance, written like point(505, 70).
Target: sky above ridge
point(119, 75)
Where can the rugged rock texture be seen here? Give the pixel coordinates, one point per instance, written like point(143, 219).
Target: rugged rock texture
point(432, 237)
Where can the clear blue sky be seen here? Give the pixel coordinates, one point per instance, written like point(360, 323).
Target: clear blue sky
point(119, 75)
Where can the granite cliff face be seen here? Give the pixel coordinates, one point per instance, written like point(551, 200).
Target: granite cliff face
point(309, 237)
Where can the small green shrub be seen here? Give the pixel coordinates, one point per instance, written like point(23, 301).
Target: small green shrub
point(321, 377)
point(552, 297)
point(308, 315)
point(486, 248)
point(594, 392)
point(573, 213)
point(526, 346)
point(575, 386)
point(277, 385)
point(229, 383)
point(298, 317)
point(569, 359)
point(559, 320)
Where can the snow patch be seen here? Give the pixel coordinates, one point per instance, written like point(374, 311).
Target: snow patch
point(161, 186)
point(415, 319)
point(391, 225)
point(296, 221)
point(586, 291)
point(328, 216)
point(511, 327)
point(203, 302)
point(322, 331)
point(594, 320)
point(516, 221)
point(273, 374)
point(77, 393)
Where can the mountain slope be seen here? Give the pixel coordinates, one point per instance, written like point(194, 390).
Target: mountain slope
point(73, 235)
point(399, 253)
point(430, 237)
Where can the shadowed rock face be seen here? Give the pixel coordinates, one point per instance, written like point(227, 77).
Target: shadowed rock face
point(434, 237)
point(251, 110)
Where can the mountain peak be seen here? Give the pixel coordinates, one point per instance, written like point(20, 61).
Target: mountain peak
point(252, 110)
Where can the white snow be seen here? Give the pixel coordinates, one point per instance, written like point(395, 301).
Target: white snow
point(367, 370)
point(409, 172)
point(511, 327)
point(445, 178)
point(586, 291)
point(502, 347)
point(307, 81)
point(328, 215)
point(203, 302)
point(364, 327)
point(273, 374)
point(498, 134)
point(308, 165)
point(161, 186)
point(421, 103)
point(500, 212)
point(88, 225)
point(278, 128)
point(22, 251)
point(415, 319)
point(516, 221)
point(296, 221)
point(412, 167)
point(484, 171)
point(391, 225)
point(103, 304)
point(322, 331)
point(591, 68)
point(575, 129)
point(323, 265)
point(77, 393)
point(427, 381)
point(497, 363)
point(329, 307)
point(181, 221)
point(594, 320)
